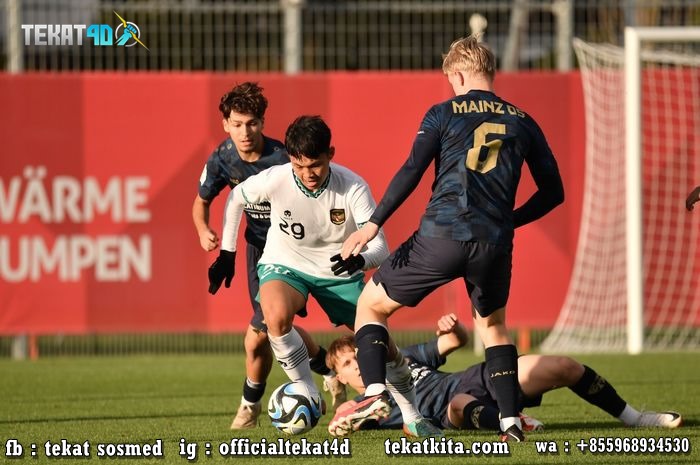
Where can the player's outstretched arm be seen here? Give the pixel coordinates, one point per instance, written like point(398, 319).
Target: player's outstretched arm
point(451, 334)
point(693, 197)
point(425, 147)
point(356, 241)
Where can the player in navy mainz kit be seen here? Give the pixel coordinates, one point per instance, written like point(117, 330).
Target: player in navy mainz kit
point(244, 153)
point(466, 399)
point(478, 143)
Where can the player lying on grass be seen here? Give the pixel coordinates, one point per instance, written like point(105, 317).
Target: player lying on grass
point(466, 399)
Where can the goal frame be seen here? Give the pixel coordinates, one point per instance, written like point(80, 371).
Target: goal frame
point(634, 37)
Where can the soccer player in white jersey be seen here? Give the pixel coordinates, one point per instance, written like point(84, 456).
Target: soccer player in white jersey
point(245, 152)
point(315, 206)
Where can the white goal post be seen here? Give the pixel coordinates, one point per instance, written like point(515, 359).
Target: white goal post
point(634, 284)
point(633, 156)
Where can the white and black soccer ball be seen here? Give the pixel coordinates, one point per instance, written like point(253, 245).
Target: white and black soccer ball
point(292, 409)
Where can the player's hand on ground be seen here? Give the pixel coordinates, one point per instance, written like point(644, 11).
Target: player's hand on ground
point(349, 265)
point(356, 241)
point(446, 324)
point(208, 239)
point(223, 268)
point(693, 197)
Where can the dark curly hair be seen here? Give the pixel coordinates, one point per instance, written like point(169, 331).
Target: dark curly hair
point(246, 98)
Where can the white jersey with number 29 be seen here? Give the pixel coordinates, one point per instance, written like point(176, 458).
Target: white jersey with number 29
point(307, 228)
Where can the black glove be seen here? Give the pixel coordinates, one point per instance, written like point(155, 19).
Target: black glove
point(350, 264)
point(223, 267)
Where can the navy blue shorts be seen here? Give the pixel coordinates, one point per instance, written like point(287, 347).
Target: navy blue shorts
point(252, 255)
point(422, 264)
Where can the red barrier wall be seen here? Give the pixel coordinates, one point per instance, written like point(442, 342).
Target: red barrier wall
point(98, 174)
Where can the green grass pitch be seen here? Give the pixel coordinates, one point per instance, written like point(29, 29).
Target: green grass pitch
point(139, 399)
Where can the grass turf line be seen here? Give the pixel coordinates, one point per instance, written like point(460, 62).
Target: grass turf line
point(138, 399)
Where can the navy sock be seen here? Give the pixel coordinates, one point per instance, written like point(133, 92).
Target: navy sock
point(502, 367)
point(480, 416)
point(254, 393)
point(318, 362)
point(596, 390)
point(372, 342)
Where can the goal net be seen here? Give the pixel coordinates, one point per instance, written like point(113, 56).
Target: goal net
point(636, 278)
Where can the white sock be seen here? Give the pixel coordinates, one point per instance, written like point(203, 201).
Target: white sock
point(400, 384)
point(290, 351)
point(374, 389)
point(629, 415)
point(253, 384)
point(507, 422)
point(247, 403)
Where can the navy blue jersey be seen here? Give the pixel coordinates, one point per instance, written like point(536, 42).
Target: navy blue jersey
point(435, 388)
point(226, 168)
point(478, 143)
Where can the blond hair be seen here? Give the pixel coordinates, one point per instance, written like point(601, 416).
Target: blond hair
point(342, 344)
point(469, 55)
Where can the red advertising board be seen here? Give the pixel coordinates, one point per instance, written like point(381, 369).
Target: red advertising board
point(98, 173)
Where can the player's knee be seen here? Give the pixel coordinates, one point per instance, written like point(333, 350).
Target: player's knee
point(568, 370)
point(374, 300)
point(455, 409)
point(278, 319)
point(455, 415)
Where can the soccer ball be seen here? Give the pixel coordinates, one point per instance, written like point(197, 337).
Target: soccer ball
point(292, 409)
